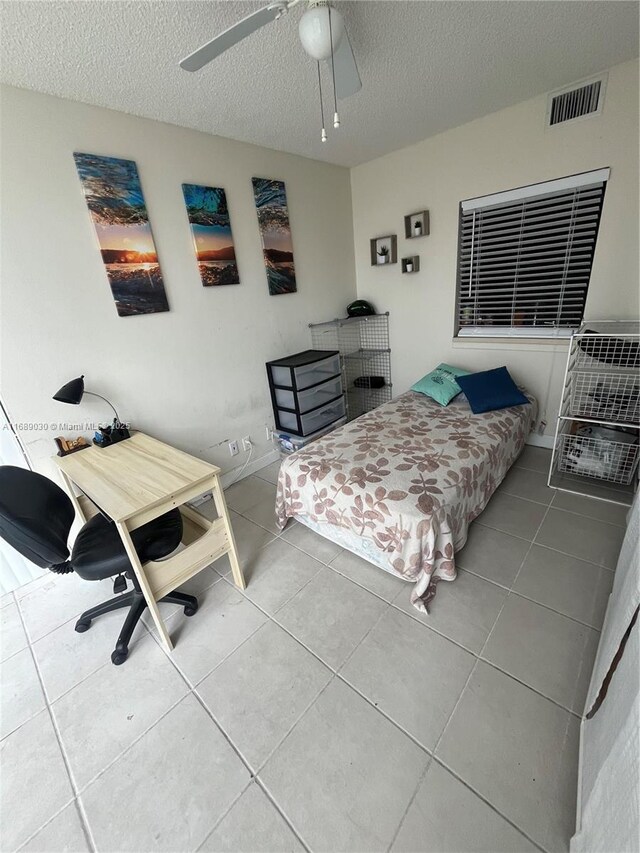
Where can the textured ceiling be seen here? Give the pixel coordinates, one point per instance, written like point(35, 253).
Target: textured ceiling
point(425, 66)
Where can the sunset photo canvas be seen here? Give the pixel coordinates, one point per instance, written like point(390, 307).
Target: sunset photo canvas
point(273, 220)
point(208, 216)
point(114, 196)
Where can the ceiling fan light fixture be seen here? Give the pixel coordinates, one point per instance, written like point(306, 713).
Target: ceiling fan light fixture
point(315, 32)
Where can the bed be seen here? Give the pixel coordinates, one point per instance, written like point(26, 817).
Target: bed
point(400, 485)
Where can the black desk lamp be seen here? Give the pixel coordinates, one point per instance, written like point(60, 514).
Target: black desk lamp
point(73, 392)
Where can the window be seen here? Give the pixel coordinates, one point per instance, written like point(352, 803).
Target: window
point(525, 257)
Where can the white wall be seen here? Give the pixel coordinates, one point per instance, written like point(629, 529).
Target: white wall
point(195, 375)
point(507, 149)
point(192, 376)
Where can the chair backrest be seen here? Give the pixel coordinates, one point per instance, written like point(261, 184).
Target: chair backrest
point(35, 516)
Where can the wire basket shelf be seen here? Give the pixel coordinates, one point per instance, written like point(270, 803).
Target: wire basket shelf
point(613, 397)
point(363, 343)
point(594, 350)
point(599, 458)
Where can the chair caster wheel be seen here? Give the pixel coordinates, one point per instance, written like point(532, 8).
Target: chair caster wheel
point(118, 657)
point(81, 626)
point(190, 610)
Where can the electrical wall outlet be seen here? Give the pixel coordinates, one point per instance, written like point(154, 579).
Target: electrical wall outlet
point(233, 448)
point(246, 443)
point(541, 427)
point(268, 431)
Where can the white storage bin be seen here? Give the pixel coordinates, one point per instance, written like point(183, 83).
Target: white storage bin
point(321, 417)
point(305, 374)
point(313, 421)
point(605, 396)
point(599, 452)
point(311, 374)
point(310, 399)
point(288, 444)
point(287, 420)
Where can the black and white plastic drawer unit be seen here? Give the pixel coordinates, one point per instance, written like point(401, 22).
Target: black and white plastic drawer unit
point(306, 390)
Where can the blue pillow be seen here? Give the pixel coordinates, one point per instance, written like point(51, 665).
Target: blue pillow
point(490, 390)
point(440, 384)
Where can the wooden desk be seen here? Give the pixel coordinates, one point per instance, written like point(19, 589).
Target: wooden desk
point(139, 479)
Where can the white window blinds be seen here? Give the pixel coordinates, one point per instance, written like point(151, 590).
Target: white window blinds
point(525, 257)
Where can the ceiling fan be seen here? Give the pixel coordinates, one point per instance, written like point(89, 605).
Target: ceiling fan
point(323, 36)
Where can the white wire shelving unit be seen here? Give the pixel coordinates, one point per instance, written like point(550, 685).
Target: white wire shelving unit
point(596, 447)
point(365, 355)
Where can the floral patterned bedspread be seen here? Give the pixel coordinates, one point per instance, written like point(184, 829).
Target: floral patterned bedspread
point(408, 477)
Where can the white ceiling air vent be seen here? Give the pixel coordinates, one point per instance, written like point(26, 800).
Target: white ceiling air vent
point(580, 100)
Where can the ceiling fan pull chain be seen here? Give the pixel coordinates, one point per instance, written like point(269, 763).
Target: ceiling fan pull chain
point(336, 119)
point(323, 137)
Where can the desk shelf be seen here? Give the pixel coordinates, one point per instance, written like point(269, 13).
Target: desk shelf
point(167, 575)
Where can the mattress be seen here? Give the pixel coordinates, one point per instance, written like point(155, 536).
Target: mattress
point(401, 484)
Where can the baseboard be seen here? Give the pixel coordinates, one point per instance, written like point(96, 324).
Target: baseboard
point(232, 476)
point(540, 440)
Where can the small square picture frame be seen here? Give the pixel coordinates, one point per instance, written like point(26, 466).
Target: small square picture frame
point(384, 250)
point(411, 264)
point(416, 224)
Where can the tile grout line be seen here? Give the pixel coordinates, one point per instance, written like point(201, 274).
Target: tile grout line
point(361, 641)
point(424, 625)
point(488, 803)
point(261, 781)
point(265, 761)
point(435, 630)
point(529, 687)
point(281, 812)
point(98, 668)
point(610, 569)
point(71, 802)
point(335, 674)
point(509, 589)
point(515, 580)
point(124, 751)
point(478, 658)
point(412, 798)
point(86, 829)
point(47, 633)
point(84, 787)
point(504, 491)
point(549, 547)
point(252, 774)
point(476, 655)
point(225, 813)
point(192, 689)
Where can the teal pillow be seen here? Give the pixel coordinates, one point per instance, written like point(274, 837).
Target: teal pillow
point(441, 383)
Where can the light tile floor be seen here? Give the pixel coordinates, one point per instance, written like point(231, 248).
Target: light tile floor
point(317, 710)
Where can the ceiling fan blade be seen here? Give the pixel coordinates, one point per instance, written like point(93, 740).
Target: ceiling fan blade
point(239, 31)
point(347, 78)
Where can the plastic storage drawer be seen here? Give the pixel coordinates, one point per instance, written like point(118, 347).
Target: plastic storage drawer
point(312, 421)
point(303, 375)
point(305, 401)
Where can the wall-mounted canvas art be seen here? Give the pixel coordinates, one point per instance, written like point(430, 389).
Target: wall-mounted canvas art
point(116, 204)
point(273, 219)
point(211, 229)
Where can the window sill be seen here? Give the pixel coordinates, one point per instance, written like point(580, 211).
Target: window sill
point(512, 343)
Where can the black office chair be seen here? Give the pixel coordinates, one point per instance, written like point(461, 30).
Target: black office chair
point(35, 518)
